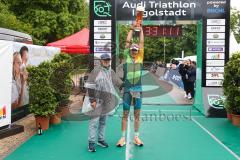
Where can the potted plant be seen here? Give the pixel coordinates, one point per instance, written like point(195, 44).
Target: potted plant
point(229, 108)
point(231, 86)
point(61, 82)
point(42, 101)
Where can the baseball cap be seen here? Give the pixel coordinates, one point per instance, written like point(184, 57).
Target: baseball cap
point(105, 56)
point(134, 47)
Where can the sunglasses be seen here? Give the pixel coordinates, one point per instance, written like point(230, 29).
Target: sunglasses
point(134, 50)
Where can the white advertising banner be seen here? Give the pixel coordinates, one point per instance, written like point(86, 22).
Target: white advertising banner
point(220, 22)
point(6, 57)
point(215, 83)
point(102, 49)
point(103, 23)
point(215, 69)
point(215, 35)
point(216, 29)
point(102, 36)
point(37, 54)
point(214, 76)
point(102, 42)
point(102, 29)
point(215, 55)
point(14, 91)
point(215, 63)
point(216, 42)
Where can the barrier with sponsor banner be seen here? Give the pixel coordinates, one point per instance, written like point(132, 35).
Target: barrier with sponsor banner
point(172, 75)
point(13, 86)
point(5, 82)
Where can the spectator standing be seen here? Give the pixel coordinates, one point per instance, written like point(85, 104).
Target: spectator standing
point(183, 68)
point(192, 78)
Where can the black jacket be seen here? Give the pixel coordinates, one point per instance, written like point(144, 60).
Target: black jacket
point(183, 69)
point(192, 74)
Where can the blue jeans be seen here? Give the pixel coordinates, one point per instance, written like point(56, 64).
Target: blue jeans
point(97, 125)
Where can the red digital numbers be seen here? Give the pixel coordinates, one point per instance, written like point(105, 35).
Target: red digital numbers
point(154, 31)
point(147, 31)
point(162, 31)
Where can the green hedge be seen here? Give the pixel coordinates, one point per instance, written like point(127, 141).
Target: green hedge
point(231, 84)
point(50, 83)
point(60, 79)
point(42, 100)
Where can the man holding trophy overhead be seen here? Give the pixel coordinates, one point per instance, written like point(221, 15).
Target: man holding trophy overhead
point(132, 69)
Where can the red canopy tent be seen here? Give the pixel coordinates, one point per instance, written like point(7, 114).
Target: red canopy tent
point(74, 44)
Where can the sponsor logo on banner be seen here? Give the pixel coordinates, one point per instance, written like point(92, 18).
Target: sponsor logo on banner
point(102, 8)
point(215, 28)
point(102, 42)
point(3, 113)
point(215, 35)
point(102, 36)
point(216, 10)
point(215, 63)
point(216, 101)
point(102, 29)
point(102, 49)
point(174, 76)
point(216, 22)
point(216, 49)
point(214, 76)
point(215, 69)
point(215, 56)
point(216, 7)
point(215, 42)
point(105, 23)
point(214, 83)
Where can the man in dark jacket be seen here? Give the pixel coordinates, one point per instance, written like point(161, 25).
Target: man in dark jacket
point(192, 78)
point(183, 68)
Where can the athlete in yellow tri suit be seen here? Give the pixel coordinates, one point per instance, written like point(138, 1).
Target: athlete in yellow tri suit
point(132, 70)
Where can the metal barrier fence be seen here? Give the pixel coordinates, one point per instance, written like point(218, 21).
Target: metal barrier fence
point(77, 77)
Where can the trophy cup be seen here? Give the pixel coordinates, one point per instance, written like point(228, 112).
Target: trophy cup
point(139, 19)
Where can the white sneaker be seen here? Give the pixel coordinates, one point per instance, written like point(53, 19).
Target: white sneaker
point(121, 142)
point(137, 141)
point(189, 96)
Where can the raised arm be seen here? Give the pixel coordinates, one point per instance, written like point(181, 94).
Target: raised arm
point(141, 40)
point(129, 37)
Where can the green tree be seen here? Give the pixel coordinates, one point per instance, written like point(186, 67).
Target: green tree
point(51, 19)
point(188, 41)
point(9, 20)
point(235, 23)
